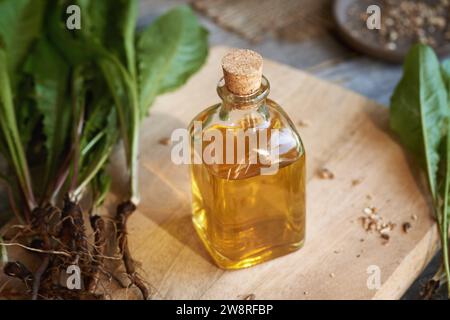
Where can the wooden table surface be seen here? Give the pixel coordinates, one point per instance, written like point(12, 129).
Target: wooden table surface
point(325, 57)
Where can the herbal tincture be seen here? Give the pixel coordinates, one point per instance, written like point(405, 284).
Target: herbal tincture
point(247, 171)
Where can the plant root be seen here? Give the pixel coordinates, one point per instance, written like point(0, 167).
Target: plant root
point(73, 232)
point(124, 211)
point(59, 238)
point(430, 289)
point(18, 270)
point(99, 227)
point(37, 277)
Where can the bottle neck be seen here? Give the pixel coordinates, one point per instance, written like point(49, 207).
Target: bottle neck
point(232, 101)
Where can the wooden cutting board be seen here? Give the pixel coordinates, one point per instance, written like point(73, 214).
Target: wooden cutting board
point(346, 133)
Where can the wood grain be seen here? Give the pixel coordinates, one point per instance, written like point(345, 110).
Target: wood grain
point(348, 134)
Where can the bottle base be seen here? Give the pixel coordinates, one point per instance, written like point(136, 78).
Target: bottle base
point(263, 255)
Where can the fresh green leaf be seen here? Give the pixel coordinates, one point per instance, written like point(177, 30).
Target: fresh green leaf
point(95, 160)
point(95, 122)
point(100, 187)
point(446, 66)
point(127, 22)
point(74, 45)
point(419, 108)
point(50, 73)
point(3, 146)
point(100, 131)
point(119, 69)
point(20, 25)
point(168, 53)
point(446, 75)
point(420, 116)
point(10, 134)
point(113, 24)
point(443, 214)
point(124, 92)
point(28, 120)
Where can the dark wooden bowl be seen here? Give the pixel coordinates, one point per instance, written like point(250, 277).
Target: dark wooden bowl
point(365, 42)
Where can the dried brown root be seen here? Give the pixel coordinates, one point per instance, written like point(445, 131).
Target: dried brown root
point(432, 286)
point(73, 232)
point(99, 227)
point(41, 224)
point(430, 289)
point(18, 270)
point(64, 230)
point(59, 238)
point(38, 276)
point(61, 293)
point(124, 211)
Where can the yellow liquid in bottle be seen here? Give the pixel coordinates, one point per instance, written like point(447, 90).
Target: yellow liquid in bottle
point(245, 218)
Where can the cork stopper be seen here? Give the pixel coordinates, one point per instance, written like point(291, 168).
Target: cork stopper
point(242, 71)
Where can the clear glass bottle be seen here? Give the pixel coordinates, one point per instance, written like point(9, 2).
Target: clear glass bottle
point(243, 214)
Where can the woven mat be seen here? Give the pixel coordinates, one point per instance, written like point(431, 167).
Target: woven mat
point(292, 20)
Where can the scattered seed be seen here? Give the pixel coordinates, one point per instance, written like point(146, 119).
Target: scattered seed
point(164, 141)
point(393, 36)
point(414, 217)
point(251, 296)
point(391, 46)
point(372, 226)
point(358, 255)
point(324, 173)
point(385, 230)
point(375, 217)
point(303, 123)
point(355, 182)
point(406, 227)
point(332, 275)
point(365, 223)
point(385, 236)
point(389, 22)
point(305, 293)
point(373, 222)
